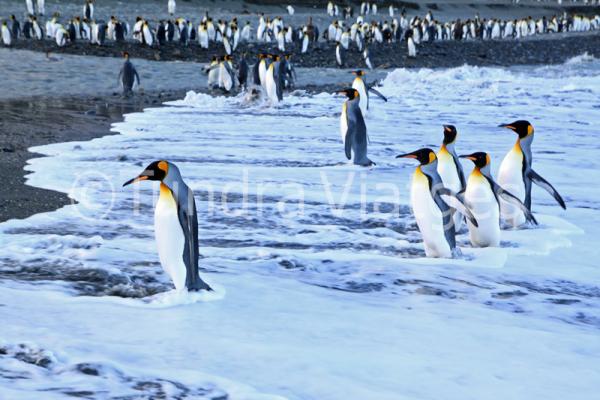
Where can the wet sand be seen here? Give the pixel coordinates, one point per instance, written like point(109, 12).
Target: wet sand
point(54, 100)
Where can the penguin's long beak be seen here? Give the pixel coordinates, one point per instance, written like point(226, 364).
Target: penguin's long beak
point(407, 155)
point(136, 179)
point(468, 156)
point(507, 126)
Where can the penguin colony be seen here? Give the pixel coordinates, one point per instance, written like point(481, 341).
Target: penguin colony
point(443, 198)
point(346, 32)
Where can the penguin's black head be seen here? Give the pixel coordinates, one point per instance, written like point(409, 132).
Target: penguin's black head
point(521, 127)
point(350, 93)
point(424, 156)
point(358, 72)
point(449, 134)
point(480, 158)
point(156, 171)
point(126, 55)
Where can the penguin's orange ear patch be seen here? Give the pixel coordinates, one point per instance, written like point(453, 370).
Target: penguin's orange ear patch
point(164, 166)
point(529, 129)
point(431, 157)
point(487, 159)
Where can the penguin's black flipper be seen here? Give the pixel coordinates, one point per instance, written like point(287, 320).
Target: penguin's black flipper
point(189, 224)
point(348, 144)
point(544, 184)
point(455, 201)
point(378, 93)
point(514, 200)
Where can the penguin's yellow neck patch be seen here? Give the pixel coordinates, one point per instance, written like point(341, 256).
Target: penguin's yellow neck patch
point(517, 146)
point(165, 191)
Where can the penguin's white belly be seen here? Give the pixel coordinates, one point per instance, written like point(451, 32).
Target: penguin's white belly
point(483, 204)
point(363, 101)
point(344, 122)
point(449, 174)
point(412, 49)
point(170, 239)
point(271, 86)
point(429, 218)
point(510, 178)
point(262, 74)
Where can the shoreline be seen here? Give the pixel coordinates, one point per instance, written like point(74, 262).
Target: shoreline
point(64, 119)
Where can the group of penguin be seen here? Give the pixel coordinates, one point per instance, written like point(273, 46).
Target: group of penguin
point(345, 34)
point(271, 74)
point(441, 197)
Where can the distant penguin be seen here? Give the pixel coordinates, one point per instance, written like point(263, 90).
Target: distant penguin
point(6, 35)
point(340, 56)
point(353, 129)
point(148, 37)
point(15, 28)
point(450, 168)
point(410, 43)
point(88, 10)
point(243, 71)
point(483, 195)
point(363, 90)
point(431, 203)
point(161, 34)
point(290, 10)
point(41, 6)
point(273, 84)
point(30, 9)
point(516, 174)
point(128, 75)
point(213, 73)
point(171, 7)
point(175, 226)
point(262, 70)
point(367, 58)
point(226, 75)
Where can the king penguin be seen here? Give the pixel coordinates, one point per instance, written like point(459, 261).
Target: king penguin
point(175, 226)
point(128, 75)
point(432, 205)
point(353, 129)
point(516, 174)
point(363, 90)
point(483, 195)
point(450, 169)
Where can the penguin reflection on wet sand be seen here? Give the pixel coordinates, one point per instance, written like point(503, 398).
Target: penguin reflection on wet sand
point(483, 196)
point(128, 75)
point(175, 226)
point(432, 205)
point(516, 174)
point(353, 129)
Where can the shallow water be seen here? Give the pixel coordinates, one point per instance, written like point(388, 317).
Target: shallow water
point(330, 297)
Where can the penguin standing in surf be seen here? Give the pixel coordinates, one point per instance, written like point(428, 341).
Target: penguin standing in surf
point(450, 169)
point(175, 226)
point(516, 174)
point(483, 195)
point(128, 75)
point(432, 205)
point(353, 129)
point(363, 90)
point(274, 81)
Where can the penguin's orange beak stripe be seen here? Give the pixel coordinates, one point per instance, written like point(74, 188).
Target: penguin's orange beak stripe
point(138, 179)
point(407, 156)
